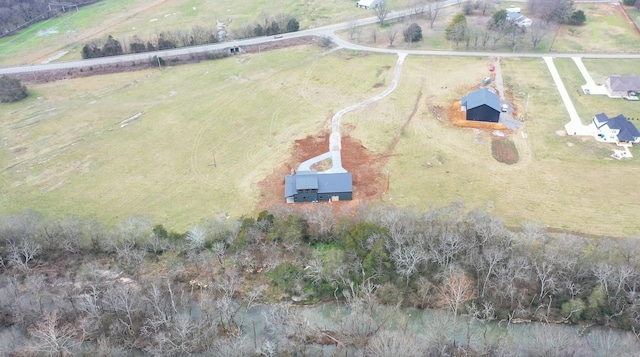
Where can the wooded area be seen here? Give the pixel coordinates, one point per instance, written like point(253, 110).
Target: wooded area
point(15, 15)
point(73, 284)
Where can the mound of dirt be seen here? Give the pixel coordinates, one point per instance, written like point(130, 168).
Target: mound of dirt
point(368, 181)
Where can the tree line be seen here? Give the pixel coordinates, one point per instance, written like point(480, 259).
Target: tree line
point(195, 36)
point(75, 285)
point(15, 15)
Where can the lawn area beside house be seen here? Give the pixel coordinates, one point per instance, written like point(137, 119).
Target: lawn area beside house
point(606, 30)
point(143, 143)
point(556, 183)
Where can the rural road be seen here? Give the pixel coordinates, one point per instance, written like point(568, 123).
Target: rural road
point(319, 31)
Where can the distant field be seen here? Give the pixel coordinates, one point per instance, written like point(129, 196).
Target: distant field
point(126, 18)
point(606, 30)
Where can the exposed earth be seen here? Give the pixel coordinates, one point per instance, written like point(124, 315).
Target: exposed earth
point(369, 181)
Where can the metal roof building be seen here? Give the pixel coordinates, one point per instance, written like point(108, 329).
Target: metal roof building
point(482, 105)
point(311, 186)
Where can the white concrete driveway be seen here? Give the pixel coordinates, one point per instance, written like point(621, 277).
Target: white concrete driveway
point(590, 87)
point(574, 126)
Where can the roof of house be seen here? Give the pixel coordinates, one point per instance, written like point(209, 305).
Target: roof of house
point(624, 83)
point(367, 2)
point(628, 131)
point(481, 97)
point(323, 182)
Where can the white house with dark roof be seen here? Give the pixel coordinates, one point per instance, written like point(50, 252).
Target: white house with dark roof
point(515, 17)
point(623, 86)
point(618, 129)
point(368, 4)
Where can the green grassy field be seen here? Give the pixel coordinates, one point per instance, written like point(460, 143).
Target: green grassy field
point(558, 182)
point(126, 18)
point(66, 150)
point(606, 30)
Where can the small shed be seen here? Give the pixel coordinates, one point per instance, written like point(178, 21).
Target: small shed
point(312, 186)
point(481, 105)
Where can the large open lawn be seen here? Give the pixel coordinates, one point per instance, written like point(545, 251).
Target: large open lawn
point(606, 30)
point(67, 150)
point(70, 148)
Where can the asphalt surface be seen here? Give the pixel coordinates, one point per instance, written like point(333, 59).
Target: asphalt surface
point(319, 31)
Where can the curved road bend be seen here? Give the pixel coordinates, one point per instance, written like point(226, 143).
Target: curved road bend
point(320, 31)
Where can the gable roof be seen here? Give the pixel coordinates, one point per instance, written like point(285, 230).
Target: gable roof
point(323, 182)
point(481, 97)
point(627, 131)
point(626, 83)
point(335, 182)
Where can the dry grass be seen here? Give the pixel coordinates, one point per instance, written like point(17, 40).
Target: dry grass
point(606, 30)
point(68, 153)
point(558, 180)
point(146, 18)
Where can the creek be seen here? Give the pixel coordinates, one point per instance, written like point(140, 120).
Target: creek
point(438, 327)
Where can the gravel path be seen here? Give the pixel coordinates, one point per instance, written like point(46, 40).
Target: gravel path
point(334, 140)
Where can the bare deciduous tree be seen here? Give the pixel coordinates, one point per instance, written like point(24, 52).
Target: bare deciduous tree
point(50, 336)
point(433, 10)
point(455, 289)
point(392, 34)
point(382, 11)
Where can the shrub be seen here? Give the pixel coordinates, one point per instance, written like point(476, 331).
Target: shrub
point(413, 33)
point(577, 18)
point(505, 151)
point(11, 90)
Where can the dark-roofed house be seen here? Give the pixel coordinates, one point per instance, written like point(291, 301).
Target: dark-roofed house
point(617, 129)
point(482, 105)
point(311, 186)
point(622, 86)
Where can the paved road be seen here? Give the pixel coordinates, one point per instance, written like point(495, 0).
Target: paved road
point(320, 31)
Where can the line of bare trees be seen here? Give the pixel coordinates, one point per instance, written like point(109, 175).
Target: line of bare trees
point(71, 286)
point(16, 15)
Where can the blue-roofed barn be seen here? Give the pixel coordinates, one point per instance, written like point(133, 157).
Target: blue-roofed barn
point(311, 186)
point(481, 105)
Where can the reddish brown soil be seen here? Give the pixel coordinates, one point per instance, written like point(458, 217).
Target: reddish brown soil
point(368, 181)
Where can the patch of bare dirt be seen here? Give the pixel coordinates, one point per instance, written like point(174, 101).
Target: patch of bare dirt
point(368, 181)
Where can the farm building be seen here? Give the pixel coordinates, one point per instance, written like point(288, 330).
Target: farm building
point(617, 129)
point(368, 4)
point(623, 86)
point(311, 186)
point(481, 105)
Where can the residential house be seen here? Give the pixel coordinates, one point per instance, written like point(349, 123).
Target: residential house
point(312, 186)
point(617, 129)
point(481, 105)
point(518, 19)
point(623, 86)
point(368, 4)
